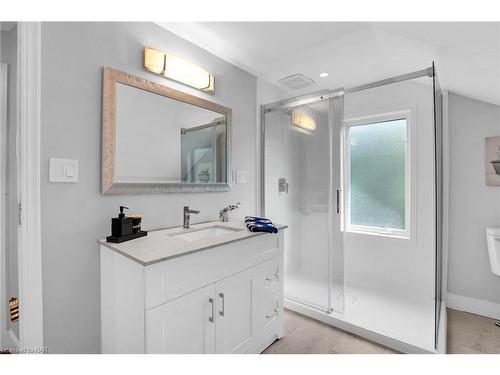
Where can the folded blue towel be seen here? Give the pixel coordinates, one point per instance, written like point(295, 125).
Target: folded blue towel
point(259, 219)
point(260, 224)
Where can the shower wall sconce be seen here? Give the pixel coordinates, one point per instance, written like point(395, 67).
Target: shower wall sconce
point(303, 121)
point(175, 68)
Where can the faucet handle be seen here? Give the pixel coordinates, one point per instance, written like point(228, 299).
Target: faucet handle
point(224, 213)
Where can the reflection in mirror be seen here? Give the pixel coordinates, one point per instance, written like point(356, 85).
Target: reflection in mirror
point(203, 150)
point(163, 140)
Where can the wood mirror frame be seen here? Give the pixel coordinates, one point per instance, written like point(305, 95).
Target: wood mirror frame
point(111, 77)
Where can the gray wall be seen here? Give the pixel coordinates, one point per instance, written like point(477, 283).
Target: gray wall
point(473, 205)
point(75, 215)
point(9, 57)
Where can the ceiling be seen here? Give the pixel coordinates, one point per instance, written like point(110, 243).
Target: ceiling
point(467, 54)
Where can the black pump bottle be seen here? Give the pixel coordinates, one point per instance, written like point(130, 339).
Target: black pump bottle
point(121, 225)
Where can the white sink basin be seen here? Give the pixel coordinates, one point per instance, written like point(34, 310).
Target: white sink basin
point(201, 234)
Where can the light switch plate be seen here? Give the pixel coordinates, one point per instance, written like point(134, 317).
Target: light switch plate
point(63, 170)
point(241, 177)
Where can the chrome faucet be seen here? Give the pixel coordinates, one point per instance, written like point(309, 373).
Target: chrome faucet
point(187, 213)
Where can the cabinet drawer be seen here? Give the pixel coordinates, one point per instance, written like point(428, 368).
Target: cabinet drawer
point(271, 311)
point(170, 279)
point(270, 275)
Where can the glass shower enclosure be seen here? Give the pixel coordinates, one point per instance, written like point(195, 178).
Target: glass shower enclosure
point(357, 175)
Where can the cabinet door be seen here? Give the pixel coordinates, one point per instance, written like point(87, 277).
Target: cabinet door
point(184, 325)
point(236, 313)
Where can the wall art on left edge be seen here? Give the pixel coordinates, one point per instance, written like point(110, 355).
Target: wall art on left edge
point(492, 161)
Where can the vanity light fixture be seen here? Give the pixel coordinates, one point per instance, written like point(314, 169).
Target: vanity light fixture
point(173, 67)
point(303, 121)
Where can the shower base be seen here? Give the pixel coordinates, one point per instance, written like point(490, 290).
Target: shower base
point(403, 323)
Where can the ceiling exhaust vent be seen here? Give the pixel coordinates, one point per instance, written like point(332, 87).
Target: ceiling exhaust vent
point(296, 81)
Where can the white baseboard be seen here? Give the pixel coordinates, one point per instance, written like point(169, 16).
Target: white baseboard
point(14, 341)
point(473, 305)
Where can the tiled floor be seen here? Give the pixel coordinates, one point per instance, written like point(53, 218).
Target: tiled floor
point(467, 333)
point(304, 335)
point(472, 334)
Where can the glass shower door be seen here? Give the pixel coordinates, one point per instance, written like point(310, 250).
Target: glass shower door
point(298, 192)
point(337, 262)
point(353, 177)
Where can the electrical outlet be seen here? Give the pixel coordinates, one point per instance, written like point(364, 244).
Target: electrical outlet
point(241, 177)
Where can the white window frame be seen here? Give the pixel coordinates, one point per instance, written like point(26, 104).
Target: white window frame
point(366, 120)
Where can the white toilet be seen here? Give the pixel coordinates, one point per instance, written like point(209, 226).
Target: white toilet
point(493, 239)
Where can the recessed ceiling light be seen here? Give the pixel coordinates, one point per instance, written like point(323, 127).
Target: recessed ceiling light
point(323, 75)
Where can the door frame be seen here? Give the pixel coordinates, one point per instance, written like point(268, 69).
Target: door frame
point(7, 340)
point(28, 165)
point(29, 235)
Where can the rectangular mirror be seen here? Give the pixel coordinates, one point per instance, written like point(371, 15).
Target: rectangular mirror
point(157, 139)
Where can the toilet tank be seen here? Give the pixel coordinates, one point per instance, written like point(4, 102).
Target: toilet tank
point(493, 239)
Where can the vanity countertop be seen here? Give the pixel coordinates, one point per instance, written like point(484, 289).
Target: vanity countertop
point(160, 245)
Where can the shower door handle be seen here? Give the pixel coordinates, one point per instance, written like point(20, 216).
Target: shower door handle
point(338, 200)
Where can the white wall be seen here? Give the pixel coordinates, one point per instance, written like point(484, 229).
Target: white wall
point(74, 216)
point(473, 205)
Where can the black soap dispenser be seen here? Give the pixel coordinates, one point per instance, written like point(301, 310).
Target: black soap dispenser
point(122, 228)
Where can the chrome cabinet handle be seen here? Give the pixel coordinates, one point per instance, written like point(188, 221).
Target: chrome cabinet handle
point(276, 312)
point(275, 276)
point(338, 200)
point(221, 313)
point(211, 319)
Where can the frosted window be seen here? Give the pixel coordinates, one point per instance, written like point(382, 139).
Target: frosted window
point(377, 174)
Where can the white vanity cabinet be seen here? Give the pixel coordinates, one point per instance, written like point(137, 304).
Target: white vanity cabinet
point(237, 299)
point(215, 319)
point(182, 325)
point(222, 299)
